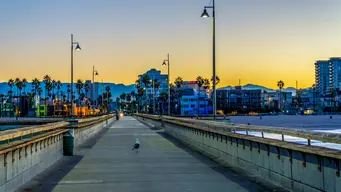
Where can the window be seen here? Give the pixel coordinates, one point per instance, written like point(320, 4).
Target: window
point(192, 106)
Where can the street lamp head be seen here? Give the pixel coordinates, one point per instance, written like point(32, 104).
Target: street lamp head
point(164, 63)
point(78, 48)
point(205, 14)
point(96, 73)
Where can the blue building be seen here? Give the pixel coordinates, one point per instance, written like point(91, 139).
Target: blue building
point(161, 78)
point(189, 102)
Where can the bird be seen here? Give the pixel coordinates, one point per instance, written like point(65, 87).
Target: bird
point(136, 145)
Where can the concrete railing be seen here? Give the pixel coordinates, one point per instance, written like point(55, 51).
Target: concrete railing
point(294, 166)
point(26, 152)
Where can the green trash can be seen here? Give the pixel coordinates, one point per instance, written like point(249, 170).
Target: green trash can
point(69, 143)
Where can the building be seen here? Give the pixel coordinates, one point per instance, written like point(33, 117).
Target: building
point(189, 102)
point(328, 75)
point(154, 74)
point(239, 100)
point(322, 76)
point(335, 73)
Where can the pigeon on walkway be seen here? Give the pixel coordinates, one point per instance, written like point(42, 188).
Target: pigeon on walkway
point(136, 145)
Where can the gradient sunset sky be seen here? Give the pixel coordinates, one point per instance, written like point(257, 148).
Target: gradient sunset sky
point(258, 41)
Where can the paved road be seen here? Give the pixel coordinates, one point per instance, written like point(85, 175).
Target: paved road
point(161, 165)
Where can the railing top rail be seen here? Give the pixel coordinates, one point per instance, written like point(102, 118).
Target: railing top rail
point(85, 120)
point(14, 133)
point(306, 134)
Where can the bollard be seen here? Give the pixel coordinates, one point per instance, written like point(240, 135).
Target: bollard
point(69, 143)
point(331, 117)
point(260, 117)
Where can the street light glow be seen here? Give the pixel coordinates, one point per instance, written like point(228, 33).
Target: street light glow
point(205, 14)
point(78, 48)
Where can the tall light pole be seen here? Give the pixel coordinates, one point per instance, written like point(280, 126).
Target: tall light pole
point(168, 79)
point(77, 48)
point(205, 15)
point(94, 72)
point(153, 95)
point(102, 96)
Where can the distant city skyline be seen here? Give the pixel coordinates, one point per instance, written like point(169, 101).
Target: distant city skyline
point(259, 42)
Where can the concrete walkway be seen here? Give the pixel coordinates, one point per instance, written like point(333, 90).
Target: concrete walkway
point(160, 165)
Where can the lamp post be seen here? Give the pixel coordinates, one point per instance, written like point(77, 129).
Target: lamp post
point(205, 15)
point(77, 48)
point(94, 72)
point(152, 81)
point(102, 96)
point(164, 64)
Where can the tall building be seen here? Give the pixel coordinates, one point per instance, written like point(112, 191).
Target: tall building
point(161, 78)
point(328, 75)
point(335, 72)
point(322, 76)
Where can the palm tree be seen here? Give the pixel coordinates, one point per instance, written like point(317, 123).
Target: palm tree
point(107, 89)
point(47, 81)
point(123, 96)
point(128, 97)
point(146, 82)
point(87, 88)
point(35, 85)
point(68, 92)
point(333, 95)
point(163, 98)
point(79, 87)
point(18, 84)
point(178, 83)
point(54, 85)
point(24, 83)
point(206, 85)
point(217, 80)
point(64, 98)
point(118, 102)
point(280, 85)
point(200, 82)
point(10, 84)
point(59, 86)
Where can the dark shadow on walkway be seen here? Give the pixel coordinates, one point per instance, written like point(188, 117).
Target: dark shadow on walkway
point(48, 179)
point(245, 179)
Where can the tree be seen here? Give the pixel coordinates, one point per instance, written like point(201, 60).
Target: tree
point(18, 84)
point(87, 89)
point(163, 98)
point(108, 96)
point(178, 83)
point(79, 87)
point(200, 82)
point(10, 84)
point(24, 83)
point(47, 81)
point(68, 92)
point(280, 85)
point(59, 86)
point(217, 80)
point(146, 82)
point(123, 96)
point(128, 97)
point(118, 102)
point(54, 85)
point(35, 85)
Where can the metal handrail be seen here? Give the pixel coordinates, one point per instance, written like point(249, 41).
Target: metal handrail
point(230, 127)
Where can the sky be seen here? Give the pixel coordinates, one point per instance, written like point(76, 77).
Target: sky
point(257, 41)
